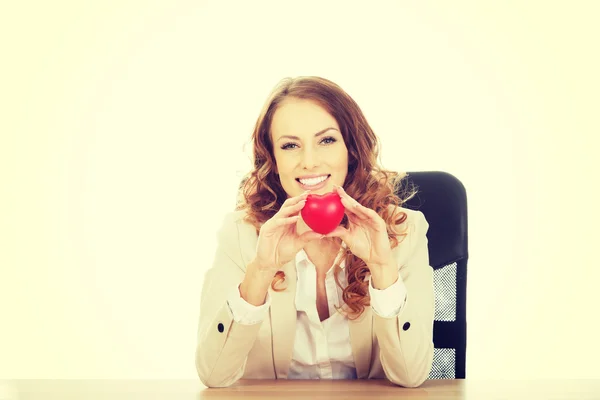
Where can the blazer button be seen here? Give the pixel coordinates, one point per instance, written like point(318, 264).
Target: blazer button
point(406, 326)
point(220, 327)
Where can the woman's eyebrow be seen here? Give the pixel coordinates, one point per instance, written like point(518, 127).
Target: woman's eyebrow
point(316, 134)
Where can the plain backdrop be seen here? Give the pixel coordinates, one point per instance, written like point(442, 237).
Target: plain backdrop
point(124, 134)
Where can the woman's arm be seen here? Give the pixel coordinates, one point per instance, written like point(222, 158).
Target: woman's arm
point(223, 344)
point(224, 337)
point(406, 341)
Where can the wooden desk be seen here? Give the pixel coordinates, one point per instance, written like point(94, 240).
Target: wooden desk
point(283, 389)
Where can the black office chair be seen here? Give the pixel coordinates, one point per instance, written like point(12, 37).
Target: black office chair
point(442, 198)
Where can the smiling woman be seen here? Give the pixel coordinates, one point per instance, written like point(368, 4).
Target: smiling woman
point(283, 301)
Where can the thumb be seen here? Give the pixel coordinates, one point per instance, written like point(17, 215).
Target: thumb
point(340, 232)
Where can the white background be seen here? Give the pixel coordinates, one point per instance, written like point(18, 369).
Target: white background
point(123, 126)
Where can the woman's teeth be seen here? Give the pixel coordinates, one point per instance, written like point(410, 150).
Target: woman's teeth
point(313, 181)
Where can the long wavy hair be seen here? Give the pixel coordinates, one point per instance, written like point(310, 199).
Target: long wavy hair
point(262, 195)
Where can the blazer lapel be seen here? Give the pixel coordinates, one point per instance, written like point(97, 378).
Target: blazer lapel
point(283, 321)
point(361, 339)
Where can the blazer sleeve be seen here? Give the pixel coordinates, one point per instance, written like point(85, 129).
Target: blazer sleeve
point(223, 344)
point(406, 341)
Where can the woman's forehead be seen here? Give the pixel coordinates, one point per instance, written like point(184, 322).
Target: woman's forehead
point(300, 118)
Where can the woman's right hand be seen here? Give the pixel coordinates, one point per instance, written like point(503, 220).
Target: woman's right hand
point(278, 240)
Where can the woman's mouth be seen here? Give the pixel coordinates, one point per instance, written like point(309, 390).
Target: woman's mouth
point(314, 182)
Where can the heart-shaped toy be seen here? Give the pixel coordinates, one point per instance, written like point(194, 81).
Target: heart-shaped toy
point(323, 213)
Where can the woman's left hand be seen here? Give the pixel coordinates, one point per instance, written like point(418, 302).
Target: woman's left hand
point(366, 235)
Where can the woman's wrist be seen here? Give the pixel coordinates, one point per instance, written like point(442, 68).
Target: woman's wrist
point(384, 276)
point(255, 285)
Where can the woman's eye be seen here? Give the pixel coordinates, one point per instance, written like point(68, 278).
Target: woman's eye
point(328, 140)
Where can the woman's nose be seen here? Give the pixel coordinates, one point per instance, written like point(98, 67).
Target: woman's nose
point(310, 159)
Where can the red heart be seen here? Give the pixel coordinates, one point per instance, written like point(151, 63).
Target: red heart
point(323, 213)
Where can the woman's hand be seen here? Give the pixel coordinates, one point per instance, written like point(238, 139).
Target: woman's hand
point(367, 238)
point(278, 240)
point(278, 243)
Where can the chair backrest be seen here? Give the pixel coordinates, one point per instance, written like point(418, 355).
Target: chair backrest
point(442, 199)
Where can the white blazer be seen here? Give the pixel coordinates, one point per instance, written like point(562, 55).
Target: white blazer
point(398, 348)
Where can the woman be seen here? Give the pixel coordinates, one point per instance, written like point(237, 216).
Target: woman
point(284, 302)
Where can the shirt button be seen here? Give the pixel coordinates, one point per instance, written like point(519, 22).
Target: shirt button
point(220, 327)
point(406, 326)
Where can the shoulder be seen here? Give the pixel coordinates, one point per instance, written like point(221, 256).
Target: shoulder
point(233, 223)
point(237, 238)
point(411, 235)
point(414, 221)
point(235, 217)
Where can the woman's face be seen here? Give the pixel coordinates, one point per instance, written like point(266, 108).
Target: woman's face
point(309, 150)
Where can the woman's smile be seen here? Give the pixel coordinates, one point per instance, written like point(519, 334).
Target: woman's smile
point(313, 182)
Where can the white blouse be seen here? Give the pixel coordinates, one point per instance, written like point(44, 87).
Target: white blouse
point(322, 350)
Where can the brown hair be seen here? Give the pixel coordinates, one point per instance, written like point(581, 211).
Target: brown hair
point(262, 194)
